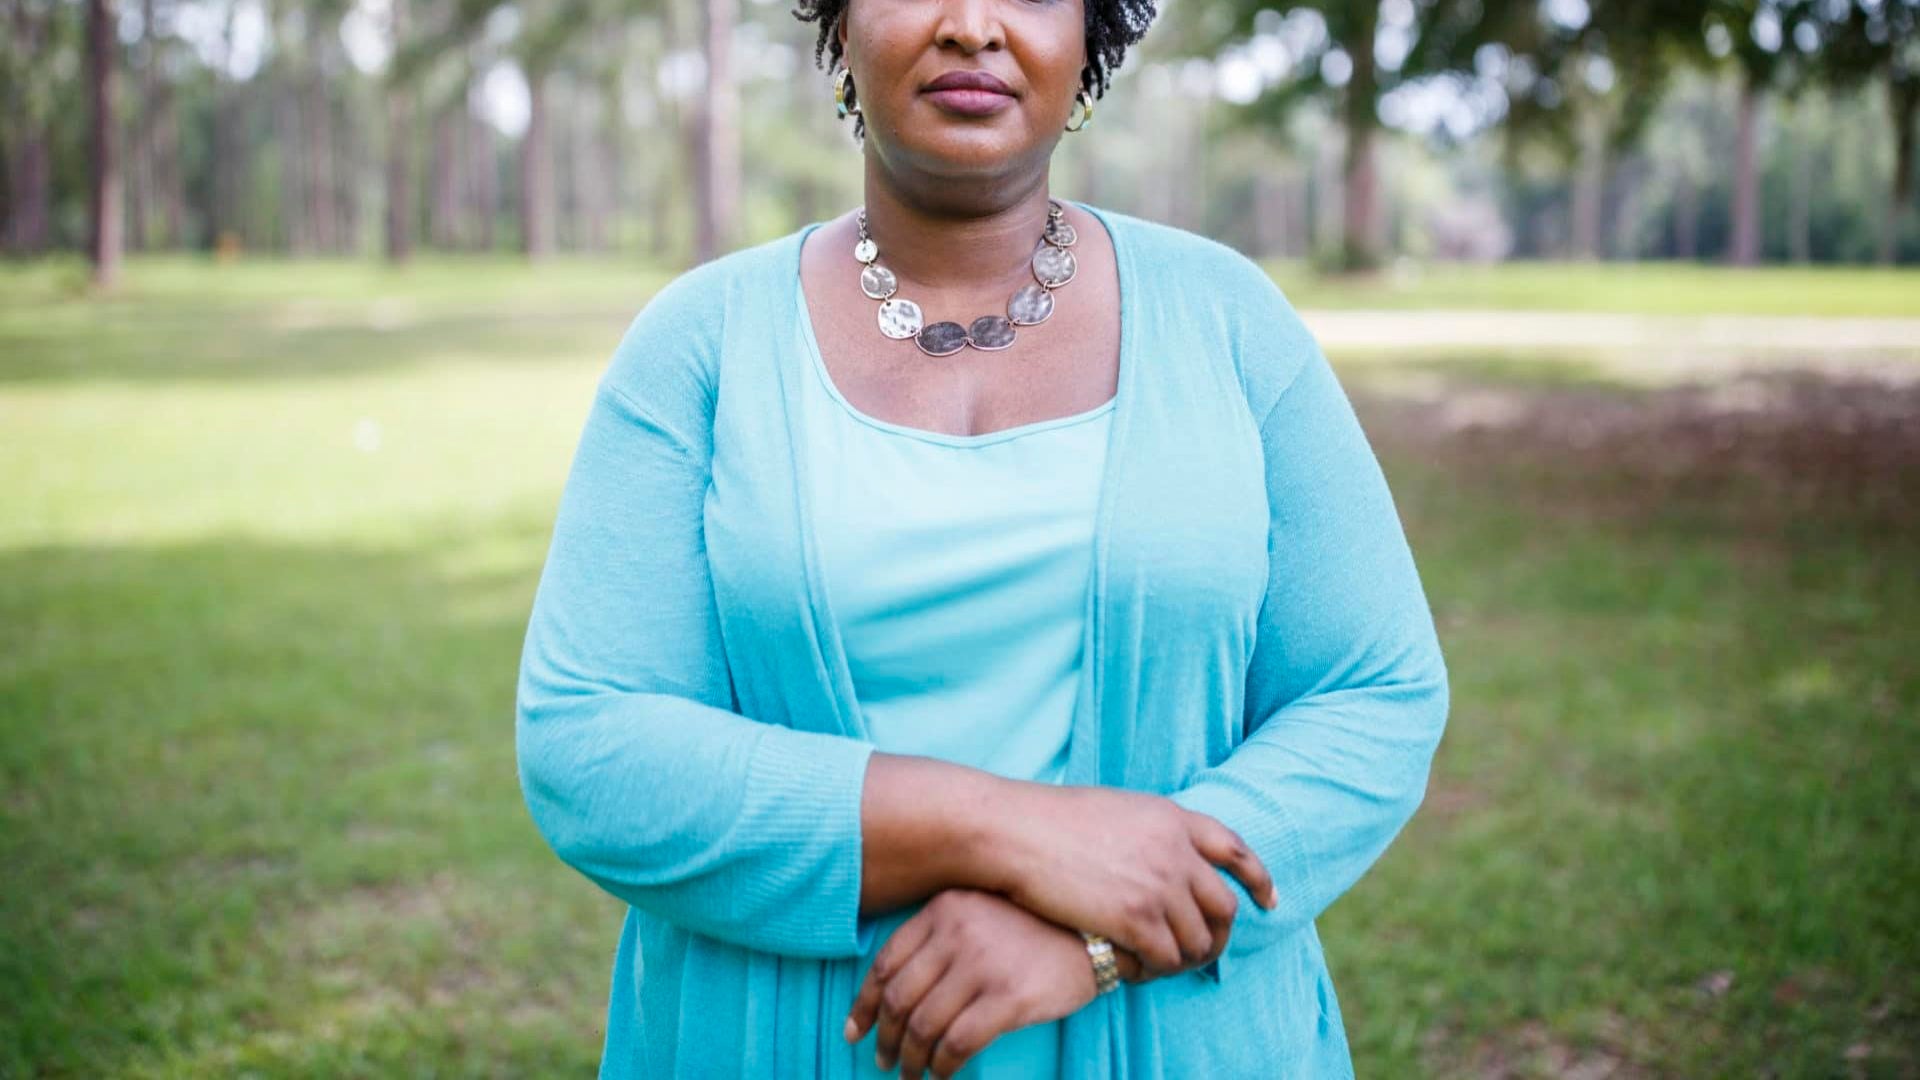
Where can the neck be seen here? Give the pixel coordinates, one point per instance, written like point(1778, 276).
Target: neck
point(955, 238)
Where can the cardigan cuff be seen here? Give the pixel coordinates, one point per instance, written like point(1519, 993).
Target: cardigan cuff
point(1275, 837)
point(804, 794)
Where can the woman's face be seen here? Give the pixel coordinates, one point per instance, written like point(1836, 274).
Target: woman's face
point(896, 48)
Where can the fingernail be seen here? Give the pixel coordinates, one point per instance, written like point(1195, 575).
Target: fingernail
point(882, 1062)
point(1273, 897)
point(852, 1033)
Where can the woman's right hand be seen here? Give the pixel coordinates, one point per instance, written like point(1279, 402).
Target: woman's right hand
point(1136, 867)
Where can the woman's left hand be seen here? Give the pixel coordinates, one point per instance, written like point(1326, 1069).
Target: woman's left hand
point(967, 968)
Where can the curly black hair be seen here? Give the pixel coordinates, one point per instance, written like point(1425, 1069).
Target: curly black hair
point(1112, 26)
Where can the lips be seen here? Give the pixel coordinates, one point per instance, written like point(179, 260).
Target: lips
point(969, 80)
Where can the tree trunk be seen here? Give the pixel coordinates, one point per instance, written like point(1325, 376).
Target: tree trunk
point(1362, 181)
point(103, 179)
point(658, 201)
point(1686, 219)
point(617, 175)
point(399, 151)
point(1329, 215)
point(486, 182)
point(1628, 180)
point(29, 222)
point(399, 172)
point(1269, 213)
point(444, 200)
point(229, 167)
point(143, 172)
point(568, 169)
point(536, 173)
point(717, 173)
point(1745, 247)
point(350, 165)
point(460, 185)
point(1298, 242)
point(292, 187)
point(317, 124)
point(1800, 210)
point(1589, 188)
point(1904, 102)
point(173, 185)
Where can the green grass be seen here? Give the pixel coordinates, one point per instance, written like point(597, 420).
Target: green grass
point(1636, 288)
point(270, 538)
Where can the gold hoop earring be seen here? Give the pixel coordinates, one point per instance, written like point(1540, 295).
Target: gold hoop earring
point(1081, 99)
point(842, 91)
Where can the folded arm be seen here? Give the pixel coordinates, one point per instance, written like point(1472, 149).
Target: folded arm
point(1347, 691)
point(633, 762)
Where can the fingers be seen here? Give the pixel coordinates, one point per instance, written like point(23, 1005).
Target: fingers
point(1224, 848)
point(902, 995)
point(1218, 906)
point(1156, 945)
point(1190, 929)
point(904, 944)
point(986, 1018)
point(866, 1008)
point(929, 1023)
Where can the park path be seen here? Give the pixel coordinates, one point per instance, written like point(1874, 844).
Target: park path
point(1644, 348)
point(1559, 330)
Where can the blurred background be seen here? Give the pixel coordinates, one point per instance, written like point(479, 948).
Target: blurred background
point(301, 311)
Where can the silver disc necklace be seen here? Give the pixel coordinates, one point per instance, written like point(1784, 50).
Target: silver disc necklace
point(1053, 266)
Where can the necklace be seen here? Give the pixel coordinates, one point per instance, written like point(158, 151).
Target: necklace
point(1053, 266)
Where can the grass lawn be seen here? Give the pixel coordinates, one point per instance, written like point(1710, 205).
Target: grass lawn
point(1637, 288)
point(272, 532)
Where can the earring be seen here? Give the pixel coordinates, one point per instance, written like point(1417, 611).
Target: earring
point(842, 91)
point(1081, 99)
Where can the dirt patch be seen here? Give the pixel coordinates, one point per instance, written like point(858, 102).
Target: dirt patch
point(1447, 800)
point(1531, 1051)
point(1775, 445)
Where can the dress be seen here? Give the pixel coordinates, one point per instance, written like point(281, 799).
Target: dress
point(957, 570)
point(1258, 648)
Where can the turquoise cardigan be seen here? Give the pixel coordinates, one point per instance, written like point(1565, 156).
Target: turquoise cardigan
point(1259, 649)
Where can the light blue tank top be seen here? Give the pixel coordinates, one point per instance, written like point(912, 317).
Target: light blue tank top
point(957, 570)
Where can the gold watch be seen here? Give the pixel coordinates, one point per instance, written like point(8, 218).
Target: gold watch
point(1106, 969)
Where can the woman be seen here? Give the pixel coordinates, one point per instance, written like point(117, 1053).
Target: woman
point(934, 671)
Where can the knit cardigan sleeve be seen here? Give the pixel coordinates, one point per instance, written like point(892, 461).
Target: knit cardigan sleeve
point(632, 762)
point(1346, 691)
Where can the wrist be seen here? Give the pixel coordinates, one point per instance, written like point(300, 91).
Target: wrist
point(998, 841)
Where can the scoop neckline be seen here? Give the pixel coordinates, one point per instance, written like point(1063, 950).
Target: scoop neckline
point(819, 364)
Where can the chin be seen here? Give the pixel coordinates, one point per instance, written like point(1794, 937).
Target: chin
point(965, 148)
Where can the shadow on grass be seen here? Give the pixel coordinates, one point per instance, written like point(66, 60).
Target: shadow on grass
point(262, 812)
point(1781, 451)
point(246, 344)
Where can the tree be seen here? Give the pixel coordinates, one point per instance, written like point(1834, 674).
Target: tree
point(1604, 76)
point(400, 101)
point(1752, 36)
point(1880, 39)
point(31, 96)
point(716, 167)
point(104, 238)
point(1353, 53)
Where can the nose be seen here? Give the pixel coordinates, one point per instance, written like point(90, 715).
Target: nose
point(969, 24)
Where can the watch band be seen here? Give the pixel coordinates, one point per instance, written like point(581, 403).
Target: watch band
point(1106, 969)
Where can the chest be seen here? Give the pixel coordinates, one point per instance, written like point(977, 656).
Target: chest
point(1063, 366)
point(1178, 545)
